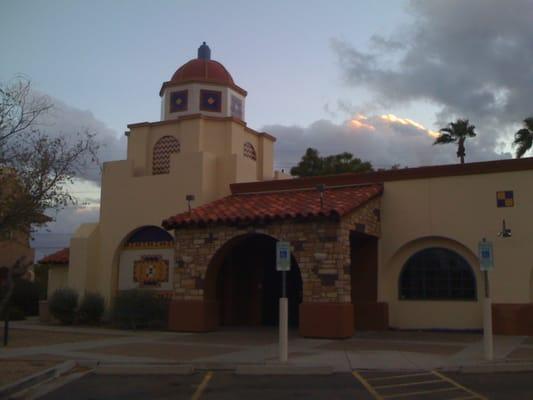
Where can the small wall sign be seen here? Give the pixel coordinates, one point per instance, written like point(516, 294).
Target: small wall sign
point(283, 256)
point(486, 255)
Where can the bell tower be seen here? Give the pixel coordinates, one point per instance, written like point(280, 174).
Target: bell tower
point(202, 86)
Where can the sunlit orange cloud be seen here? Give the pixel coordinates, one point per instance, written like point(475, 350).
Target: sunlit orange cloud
point(406, 121)
point(359, 122)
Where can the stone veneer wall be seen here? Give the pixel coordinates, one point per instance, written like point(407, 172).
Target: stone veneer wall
point(321, 248)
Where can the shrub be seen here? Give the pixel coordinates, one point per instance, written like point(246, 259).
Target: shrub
point(41, 279)
point(25, 296)
point(63, 304)
point(15, 314)
point(91, 308)
point(140, 309)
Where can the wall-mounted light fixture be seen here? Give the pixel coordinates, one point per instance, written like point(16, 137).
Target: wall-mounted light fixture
point(189, 198)
point(505, 232)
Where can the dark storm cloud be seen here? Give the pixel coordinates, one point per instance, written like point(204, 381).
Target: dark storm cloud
point(383, 140)
point(67, 121)
point(472, 58)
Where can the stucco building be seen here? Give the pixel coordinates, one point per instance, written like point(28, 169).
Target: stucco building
point(190, 157)
point(195, 210)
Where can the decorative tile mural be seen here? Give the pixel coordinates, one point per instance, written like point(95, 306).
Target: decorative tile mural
point(164, 147)
point(249, 151)
point(236, 107)
point(210, 100)
point(179, 101)
point(505, 198)
point(150, 271)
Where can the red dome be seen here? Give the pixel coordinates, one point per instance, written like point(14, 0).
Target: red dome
point(204, 71)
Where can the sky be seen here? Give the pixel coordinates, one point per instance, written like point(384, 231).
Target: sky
point(377, 79)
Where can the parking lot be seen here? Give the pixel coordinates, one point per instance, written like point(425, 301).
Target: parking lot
point(362, 385)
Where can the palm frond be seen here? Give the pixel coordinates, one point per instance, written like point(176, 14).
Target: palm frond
point(523, 139)
point(444, 138)
point(528, 123)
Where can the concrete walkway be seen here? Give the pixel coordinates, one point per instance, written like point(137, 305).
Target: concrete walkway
point(231, 348)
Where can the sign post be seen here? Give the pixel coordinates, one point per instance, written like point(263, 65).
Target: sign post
point(283, 264)
point(486, 262)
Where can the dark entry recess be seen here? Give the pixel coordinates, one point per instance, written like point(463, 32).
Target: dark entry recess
point(364, 267)
point(248, 285)
point(369, 314)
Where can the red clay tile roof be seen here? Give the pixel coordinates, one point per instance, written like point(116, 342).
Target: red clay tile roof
point(59, 257)
point(278, 205)
point(202, 70)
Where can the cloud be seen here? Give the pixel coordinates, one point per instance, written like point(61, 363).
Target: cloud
point(384, 140)
point(471, 59)
point(67, 121)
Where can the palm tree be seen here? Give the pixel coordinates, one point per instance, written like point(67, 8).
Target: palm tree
point(457, 132)
point(524, 138)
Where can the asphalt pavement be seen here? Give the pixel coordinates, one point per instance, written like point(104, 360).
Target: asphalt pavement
point(221, 385)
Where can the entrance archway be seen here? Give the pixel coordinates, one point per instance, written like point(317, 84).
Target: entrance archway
point(243, 280)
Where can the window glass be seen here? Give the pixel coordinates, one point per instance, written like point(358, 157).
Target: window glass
point(437, 274)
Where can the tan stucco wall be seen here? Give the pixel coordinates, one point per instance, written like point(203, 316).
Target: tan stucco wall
point(57, 278)
point(84, 258)
point(210, 159)
point(455, 212)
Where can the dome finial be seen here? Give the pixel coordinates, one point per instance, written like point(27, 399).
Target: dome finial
point(204, 52)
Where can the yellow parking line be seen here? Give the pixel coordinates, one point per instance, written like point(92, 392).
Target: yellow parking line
point(394, 396)
point(385, 378)
point(456, 384)
point(408, 384)
point(202, 386)
point(367, 385)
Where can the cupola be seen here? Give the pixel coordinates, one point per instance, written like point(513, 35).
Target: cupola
point(202, 86)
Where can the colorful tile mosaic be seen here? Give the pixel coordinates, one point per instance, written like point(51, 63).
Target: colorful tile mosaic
point(505, 198)
point(150, 271)
point(179, 101)
point(210, 100)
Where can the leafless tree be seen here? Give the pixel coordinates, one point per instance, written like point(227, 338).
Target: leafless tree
point(35, 168)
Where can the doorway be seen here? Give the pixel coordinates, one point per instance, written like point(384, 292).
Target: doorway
point(248, 286)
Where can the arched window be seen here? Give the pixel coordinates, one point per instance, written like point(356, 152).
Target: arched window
point(249, 151)
point(164, 147)
point(437, 274)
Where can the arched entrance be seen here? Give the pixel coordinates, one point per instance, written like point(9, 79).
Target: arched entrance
point(243, 280)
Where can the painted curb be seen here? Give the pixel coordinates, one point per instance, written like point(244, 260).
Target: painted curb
point(35, 379)
point(143, 369)
point(283, 370)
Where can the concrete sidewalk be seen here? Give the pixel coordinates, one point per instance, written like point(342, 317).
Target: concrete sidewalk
point(232, 348)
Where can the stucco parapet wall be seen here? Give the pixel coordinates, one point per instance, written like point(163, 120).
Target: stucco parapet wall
point(321, 248)
point(437, 171)
point(204, 117)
